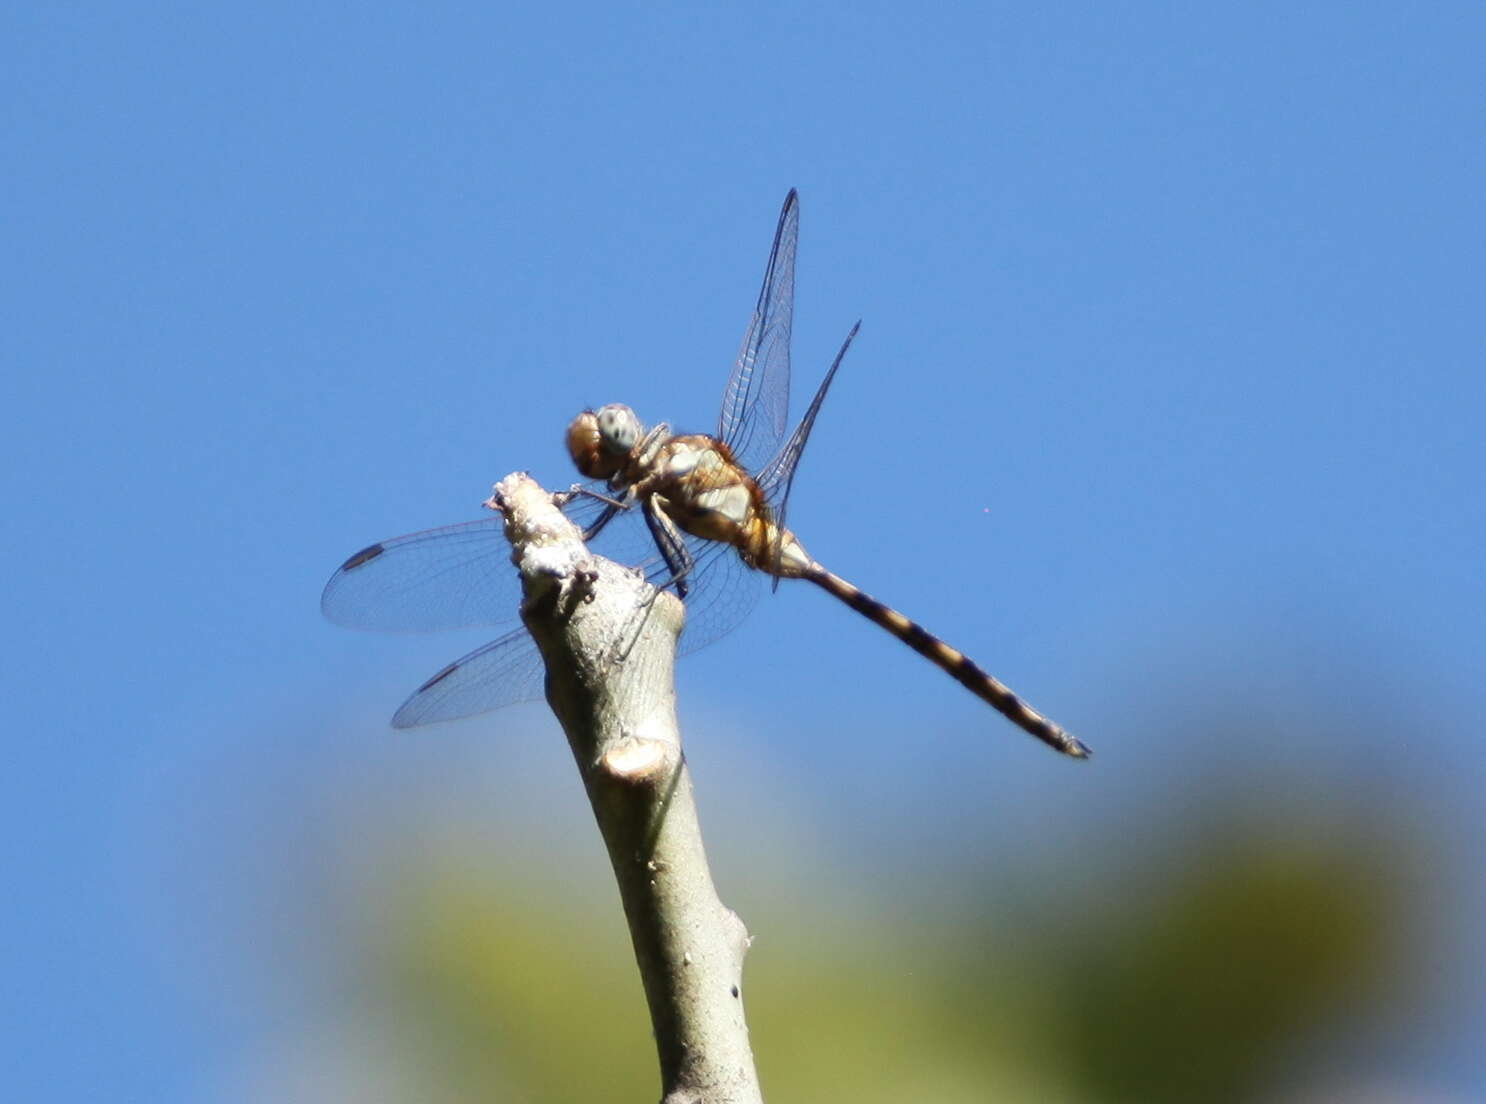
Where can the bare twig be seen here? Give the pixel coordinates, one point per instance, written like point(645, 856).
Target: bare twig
point(609, 642)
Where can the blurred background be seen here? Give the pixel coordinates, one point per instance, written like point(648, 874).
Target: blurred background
point(1166, 407)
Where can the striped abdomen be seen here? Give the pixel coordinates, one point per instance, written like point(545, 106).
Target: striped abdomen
point(955, 663)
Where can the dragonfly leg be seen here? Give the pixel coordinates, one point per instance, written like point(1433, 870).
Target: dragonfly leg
point(671, 543)
point(602, 520)
point(578, 490)
point(611, 510)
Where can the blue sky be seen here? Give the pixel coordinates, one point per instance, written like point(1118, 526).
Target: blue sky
point(1169, 388)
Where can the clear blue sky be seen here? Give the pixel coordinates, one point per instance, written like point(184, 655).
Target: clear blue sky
point(1169, 387)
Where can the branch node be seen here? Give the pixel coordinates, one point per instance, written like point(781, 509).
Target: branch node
point(639, 761)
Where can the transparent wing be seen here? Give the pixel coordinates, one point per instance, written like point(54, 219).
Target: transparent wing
point(777, 478)
point(509, 670)
point(724, 590)
point(437, 579)
point(755, 403)
point(448, 578)
point(501, 673)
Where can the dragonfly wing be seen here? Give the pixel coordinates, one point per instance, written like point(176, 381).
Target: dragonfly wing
point(721, 591)
point(777, 478)
point(448, 578)
point(725, 590)
point(503, 672)
point(438, 579)
point(755, 403)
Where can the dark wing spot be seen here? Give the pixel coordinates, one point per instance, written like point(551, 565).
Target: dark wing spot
point(366, 555)
point(735, 991)
point(440, 677)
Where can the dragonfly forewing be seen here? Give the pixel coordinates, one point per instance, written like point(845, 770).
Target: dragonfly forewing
point(453, 577)
point(755, 405)
point(447, 578)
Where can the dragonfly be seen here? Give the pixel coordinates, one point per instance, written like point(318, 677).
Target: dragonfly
point(715, 507)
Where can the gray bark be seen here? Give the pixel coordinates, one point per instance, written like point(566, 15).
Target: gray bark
point(609, 642)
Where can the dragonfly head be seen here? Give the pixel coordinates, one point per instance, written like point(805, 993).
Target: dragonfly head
point(600, 441)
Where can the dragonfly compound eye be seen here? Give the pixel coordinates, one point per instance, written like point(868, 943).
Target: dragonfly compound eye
point(600, 442)
point(619, 429)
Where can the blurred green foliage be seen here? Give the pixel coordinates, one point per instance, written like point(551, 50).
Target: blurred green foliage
point(1258, 940)
point(1207, 970)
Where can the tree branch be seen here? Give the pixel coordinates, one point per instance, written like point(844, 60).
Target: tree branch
point(609, 642)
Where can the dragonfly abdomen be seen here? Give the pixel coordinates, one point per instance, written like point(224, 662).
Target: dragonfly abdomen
point(767, 547)
point(953, 662)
